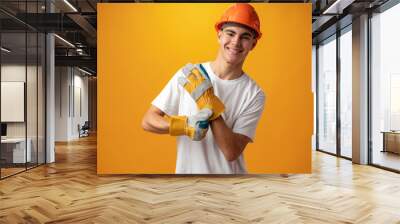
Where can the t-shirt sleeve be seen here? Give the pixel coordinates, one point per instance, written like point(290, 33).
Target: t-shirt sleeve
point(246, 124)
point(168, 99)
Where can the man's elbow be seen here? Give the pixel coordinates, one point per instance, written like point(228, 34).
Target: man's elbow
point(231, 156)
point(145, 124)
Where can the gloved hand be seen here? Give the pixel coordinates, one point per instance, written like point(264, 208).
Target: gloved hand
point(198, 84)
point(195, 126)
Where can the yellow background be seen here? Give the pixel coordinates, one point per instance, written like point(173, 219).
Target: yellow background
point(140, 47)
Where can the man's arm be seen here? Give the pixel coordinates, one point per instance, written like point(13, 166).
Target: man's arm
point(154, 121)
point(231, 144)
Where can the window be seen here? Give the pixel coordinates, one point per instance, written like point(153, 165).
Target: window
point(385, 88)
point(22, 68)
point(327, 95)
point(346, 93)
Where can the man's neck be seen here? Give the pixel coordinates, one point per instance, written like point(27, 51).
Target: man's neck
point(225, 70)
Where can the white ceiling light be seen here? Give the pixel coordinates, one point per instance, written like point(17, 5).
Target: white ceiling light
point(79, 51)
point(65, 41)
point(5, 50)
point(338, 6)
point(70, 5)
point(84, 71)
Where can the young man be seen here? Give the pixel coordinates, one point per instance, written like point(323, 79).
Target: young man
point(215, 94)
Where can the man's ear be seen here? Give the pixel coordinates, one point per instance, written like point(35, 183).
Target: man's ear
point(254, 44)
point(219, 34)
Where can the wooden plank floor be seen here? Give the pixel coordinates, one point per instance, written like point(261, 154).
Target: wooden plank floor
point(69, 191)
point(10, 171)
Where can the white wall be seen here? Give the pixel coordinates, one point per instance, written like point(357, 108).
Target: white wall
point(33, 127)
point(13, 73)
point(62, 78)
point(71, 93)
point(79, 117)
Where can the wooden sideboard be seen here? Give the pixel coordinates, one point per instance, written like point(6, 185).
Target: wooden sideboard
point(391, 141)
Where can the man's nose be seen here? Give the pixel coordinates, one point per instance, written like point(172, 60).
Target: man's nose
point(236, 40)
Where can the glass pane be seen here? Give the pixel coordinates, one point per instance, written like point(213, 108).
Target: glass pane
point(386, 89)
point(346, 94)
point(23, 84)
point(14, 153)
point(327, 96)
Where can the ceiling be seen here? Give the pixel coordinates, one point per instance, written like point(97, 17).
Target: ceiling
point(76, 22)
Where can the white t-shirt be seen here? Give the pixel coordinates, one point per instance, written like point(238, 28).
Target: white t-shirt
point(244, 102)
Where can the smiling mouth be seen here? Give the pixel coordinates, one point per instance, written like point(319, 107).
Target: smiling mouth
point(234, 51)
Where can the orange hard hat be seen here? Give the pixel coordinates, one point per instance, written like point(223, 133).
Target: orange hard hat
point(242, 13)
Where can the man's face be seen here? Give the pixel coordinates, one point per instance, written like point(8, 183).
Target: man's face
point(235, 43)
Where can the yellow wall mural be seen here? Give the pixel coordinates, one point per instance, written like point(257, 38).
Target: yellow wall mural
point(142, 45)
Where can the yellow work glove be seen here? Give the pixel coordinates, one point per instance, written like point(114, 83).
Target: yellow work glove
point(195, 127)
point(197, 83)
